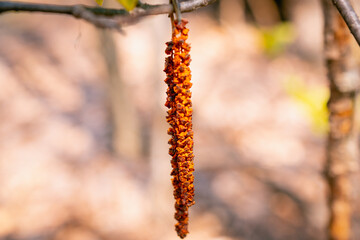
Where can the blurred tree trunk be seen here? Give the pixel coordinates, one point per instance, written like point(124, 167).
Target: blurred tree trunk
point(232, 11)
point(125, 130)
point(283, 10)
point(265, 12)
point(125, 134)
point(342, 149)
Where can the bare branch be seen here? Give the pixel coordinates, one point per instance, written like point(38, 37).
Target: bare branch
point(349, 15)
point(101, 22)
point(102, 17)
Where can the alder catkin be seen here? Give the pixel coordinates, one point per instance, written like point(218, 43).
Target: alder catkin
point(178, 76)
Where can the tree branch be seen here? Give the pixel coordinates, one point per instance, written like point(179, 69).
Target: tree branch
point(349, 15)
point(102, 17)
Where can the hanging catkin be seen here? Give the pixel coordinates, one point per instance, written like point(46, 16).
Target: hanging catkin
point(178, 76)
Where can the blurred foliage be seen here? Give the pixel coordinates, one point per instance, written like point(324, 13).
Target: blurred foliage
point(312, 99)
point(274, 40)
point(100, 2)
point(127, 4)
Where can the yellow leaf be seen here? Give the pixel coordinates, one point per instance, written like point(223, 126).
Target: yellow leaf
point(312, 99)
point(100, 2)
point(128, 4)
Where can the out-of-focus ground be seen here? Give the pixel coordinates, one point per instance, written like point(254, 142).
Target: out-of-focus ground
point(83, 143)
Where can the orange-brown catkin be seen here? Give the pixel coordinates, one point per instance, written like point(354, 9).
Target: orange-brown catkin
point(179, 117)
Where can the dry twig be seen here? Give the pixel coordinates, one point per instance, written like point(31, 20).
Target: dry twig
point(350, 17)
point(102, 17)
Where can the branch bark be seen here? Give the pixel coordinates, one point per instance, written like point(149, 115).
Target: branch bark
point(342, 149)
point(350, 17)
point(102, 17)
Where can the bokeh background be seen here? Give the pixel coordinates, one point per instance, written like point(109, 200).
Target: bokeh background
point(83, 143)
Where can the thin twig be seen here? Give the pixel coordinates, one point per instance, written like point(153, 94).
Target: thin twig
point(349, 15)
point(101, 22)
point(102, 17)
point(176, 6)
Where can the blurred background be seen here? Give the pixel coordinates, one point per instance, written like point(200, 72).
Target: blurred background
point(83, 135)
